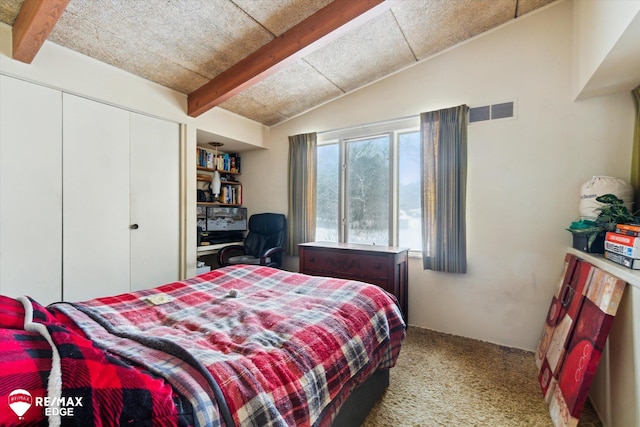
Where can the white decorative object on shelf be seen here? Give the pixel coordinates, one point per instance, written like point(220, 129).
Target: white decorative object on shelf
point(215, 181)
point(601, 185)
point(216, 184)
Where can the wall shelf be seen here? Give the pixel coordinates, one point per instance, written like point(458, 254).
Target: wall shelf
point(236, 205)
point(202, 168)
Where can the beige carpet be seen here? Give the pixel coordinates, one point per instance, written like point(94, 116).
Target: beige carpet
point(445, 380)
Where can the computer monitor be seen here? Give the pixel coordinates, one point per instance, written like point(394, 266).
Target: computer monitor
point(223, 218)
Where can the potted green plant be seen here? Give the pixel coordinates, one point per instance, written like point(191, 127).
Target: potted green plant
point(589, 235)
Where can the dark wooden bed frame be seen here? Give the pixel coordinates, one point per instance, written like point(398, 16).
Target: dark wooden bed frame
point(362, 400)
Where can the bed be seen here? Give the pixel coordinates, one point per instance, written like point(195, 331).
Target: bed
point(239, 346)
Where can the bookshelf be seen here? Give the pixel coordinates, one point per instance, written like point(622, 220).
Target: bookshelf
point(228, 165)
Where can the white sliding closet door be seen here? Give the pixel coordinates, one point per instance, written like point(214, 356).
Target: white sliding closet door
point(154, 201)
point(30, 190)
point(96, 208)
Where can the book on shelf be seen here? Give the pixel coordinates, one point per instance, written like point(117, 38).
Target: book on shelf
point(633, 241)
point(224, 162)
point(231, 195)
point(223, 194)
point(632, 263)
point(621, 249)
point(628, 229)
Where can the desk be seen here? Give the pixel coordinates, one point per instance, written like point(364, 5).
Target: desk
point(384, 266)
point(212, 249)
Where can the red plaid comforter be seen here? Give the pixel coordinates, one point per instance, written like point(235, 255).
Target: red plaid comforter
point(251, 345)
point(51, 375)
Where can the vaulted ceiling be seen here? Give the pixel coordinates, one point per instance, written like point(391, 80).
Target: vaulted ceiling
point(186, 44)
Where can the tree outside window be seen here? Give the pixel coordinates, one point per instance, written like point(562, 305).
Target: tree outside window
point(376, 198)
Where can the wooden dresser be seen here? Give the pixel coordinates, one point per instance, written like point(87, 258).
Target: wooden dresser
point(383, 266)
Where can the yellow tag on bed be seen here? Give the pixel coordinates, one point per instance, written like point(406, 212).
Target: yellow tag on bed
point(159, 299)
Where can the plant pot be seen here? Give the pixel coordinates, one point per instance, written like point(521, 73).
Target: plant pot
point(581, 242)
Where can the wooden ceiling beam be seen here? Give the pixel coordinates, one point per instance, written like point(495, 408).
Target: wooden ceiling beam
point(310, 34)
point(32, 26)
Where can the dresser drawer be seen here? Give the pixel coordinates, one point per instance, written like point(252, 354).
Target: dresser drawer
point(346, 264)
point(384, 266)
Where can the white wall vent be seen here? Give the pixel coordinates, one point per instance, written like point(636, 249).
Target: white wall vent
point(491, 112)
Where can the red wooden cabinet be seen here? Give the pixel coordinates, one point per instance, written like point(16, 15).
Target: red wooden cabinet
point(383, 266)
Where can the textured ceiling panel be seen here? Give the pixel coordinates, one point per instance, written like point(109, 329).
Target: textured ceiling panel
point(278, 16)
point(183, 44)
point(127, 54)
point(285, 94)
point(455, 21)
point(9, 10)
point(188, 39)
point(363, 55)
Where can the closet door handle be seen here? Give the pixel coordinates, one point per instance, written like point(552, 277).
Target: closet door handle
point(134, 226)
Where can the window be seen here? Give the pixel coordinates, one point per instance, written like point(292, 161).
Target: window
point(368, 185)
point(409, 206)
point(327, 189)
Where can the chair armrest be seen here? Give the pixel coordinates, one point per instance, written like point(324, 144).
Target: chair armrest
point(227, 252)
point(268, 254)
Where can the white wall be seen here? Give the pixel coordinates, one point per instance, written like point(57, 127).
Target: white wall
point(72, 72)
point(606, 34)
point(60, 68)
point(524, 173)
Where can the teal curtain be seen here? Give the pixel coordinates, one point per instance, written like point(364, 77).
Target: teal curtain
point(301, 224)
point(444, 188)
point(635, 156)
